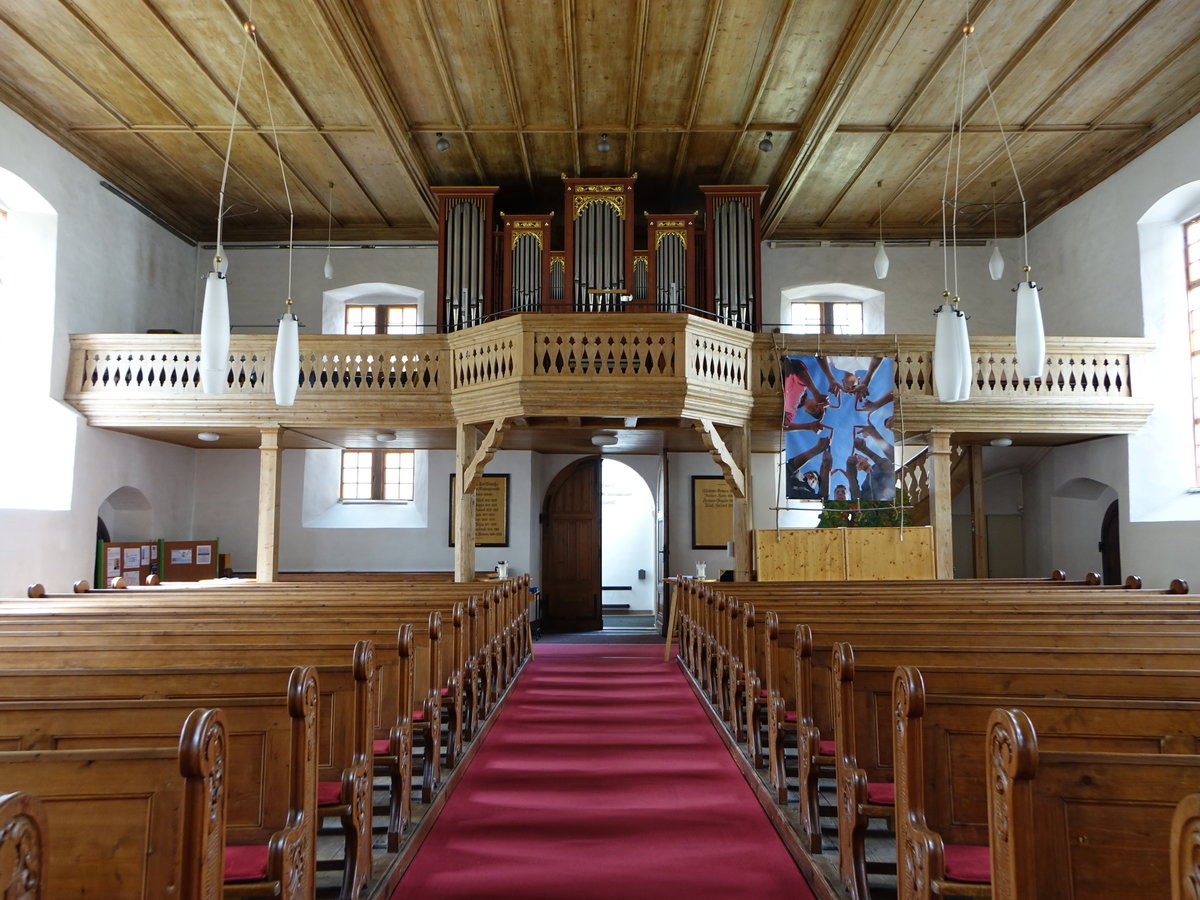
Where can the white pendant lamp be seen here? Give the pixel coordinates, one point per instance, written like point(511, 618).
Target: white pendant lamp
point(286, 373)
point(214, 331)
point(947, 358)
point(996, 263)
point(1031, 337)
point(882, 263)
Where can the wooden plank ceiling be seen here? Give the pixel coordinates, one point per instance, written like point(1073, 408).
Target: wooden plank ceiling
point(854, 93)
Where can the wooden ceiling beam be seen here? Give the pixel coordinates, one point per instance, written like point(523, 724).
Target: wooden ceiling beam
point(1094, 58)
point(314, 191)
point(870, 30)
point(347, 32)
point(764, 74)
point(703, 61)
point(433, 36)
point(572, 63)
point(637, 66)
point(504, 53)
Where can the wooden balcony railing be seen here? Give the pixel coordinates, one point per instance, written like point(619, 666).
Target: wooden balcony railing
point(688, 366)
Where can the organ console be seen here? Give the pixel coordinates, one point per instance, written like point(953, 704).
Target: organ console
point(708, 265)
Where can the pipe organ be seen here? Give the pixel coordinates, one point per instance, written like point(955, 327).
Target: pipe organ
point(706, 265)
point(464, 255)
point(734, 252)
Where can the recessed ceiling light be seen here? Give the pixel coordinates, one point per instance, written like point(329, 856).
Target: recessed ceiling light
point(1002, 442)
point(208, 436)
point(386, 437)
point(604, 439)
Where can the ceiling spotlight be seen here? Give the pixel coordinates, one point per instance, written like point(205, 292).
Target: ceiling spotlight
point(443, 143)
point(604, 439)
point(765, 144)
point(1002, 442)
point(208, 436)
point(603, 145)
point(386, 437)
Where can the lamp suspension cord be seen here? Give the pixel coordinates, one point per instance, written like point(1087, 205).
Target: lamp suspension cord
point(880, 185)
point(329, 225)
point(248, 28)
point(262, 71)
point(958, 118)
point(1008, 152)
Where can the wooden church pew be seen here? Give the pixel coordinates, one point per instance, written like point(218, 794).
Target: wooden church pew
point(23, 844)
point(134, 822)
point(1077, 823)
point(939, 767)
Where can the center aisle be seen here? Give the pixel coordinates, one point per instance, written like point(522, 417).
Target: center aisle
point(602, 778)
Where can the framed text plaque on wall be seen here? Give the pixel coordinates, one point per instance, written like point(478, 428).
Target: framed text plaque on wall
point(712, 512)
point(491, 511)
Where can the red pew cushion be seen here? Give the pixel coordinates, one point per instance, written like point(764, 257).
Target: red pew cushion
point(246, 862)
point(382, 747)
point(965, 862)
point(881, 792)
point(329, 792)
point(827, 748)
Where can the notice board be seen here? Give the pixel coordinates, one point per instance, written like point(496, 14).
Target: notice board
point(189, 560)
point(133, 561)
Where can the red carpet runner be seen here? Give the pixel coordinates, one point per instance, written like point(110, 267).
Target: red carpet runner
point(602, 778)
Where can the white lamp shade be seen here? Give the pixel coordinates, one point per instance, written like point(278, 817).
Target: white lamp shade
point(287, 360)
point(996, 263)
point(214, 335)
point(881, 261)
point(1031, 337)
point(947, 360)
point(328, 266)
point(966, 361)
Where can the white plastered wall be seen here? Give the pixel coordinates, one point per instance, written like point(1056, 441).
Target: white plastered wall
point(116, 271)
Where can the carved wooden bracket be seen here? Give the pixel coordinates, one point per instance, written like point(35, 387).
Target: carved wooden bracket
point(720, 453)
point(474, 472)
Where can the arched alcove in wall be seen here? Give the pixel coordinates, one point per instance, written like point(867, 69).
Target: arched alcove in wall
point(128, 515)
point(334, 302)
point(1079, 513)
point(872, 300)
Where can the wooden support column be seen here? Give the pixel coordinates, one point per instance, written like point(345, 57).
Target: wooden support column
point(939, 503)
point(743, 507)
point(466, 444)
point(979, 535)
point(270, 480)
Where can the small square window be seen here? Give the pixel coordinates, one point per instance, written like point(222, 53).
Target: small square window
point(378, 474)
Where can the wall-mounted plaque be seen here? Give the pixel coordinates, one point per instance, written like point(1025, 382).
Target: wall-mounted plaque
point(712, 512)
point(491, 511)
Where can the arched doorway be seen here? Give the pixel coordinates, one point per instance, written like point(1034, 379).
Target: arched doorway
point(1110, 544)
point(571, 549)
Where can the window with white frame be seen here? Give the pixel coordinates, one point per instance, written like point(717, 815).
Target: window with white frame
point(400, 318)
point(1191, 240)
point(826, 317)
point(378, 475)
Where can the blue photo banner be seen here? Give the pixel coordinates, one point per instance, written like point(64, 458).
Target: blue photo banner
point(837, 419)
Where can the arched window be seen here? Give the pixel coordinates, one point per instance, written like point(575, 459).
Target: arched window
point(833, 308)
point(39, 464)
point(1163, 454)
